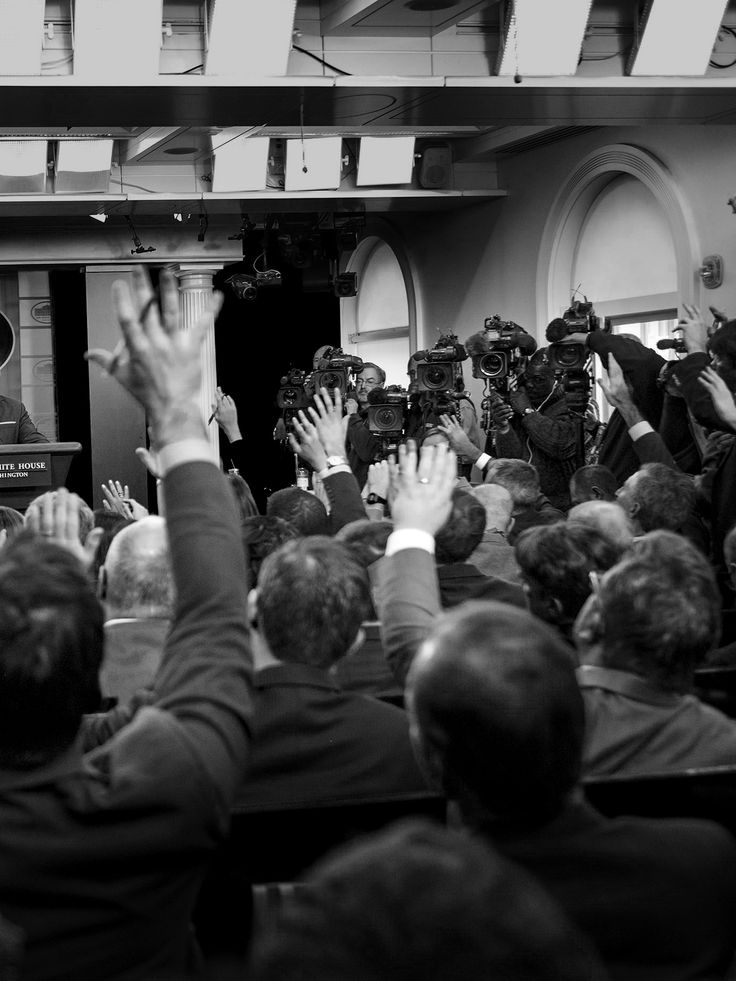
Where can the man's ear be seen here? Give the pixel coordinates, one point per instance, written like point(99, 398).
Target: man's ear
point(598, 494)
point(589, 629)
point(252, 609)
point(91, 542)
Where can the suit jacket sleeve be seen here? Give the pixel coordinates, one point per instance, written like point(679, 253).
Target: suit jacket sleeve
point(346, 504)
point(362, 440)
point(407, 598)
point(27, 432)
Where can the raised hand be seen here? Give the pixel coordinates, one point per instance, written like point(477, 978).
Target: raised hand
point(225, 413)
point(458, 438)
point(116, 497)
point(159, 364)
point(378, 479)
point(423, 487)
point(721, 396)
point(328, 419)
point(305, 441)
point(55, 516)
point(616, 390)
point(694, 330)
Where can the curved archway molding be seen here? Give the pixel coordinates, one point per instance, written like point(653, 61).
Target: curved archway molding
point(379, 230)
point(572, 203)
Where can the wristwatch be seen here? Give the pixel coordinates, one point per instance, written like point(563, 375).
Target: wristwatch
point(375, 499)
point(335, 461)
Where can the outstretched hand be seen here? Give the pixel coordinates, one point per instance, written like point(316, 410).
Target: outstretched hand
point(458, 438)
point(422, 487)
point(328, 418)
point(55, 516)
point(694, 330)
point(159, 364)
point(721, 396)
point(225, 413)
point(305, 441)
point(116, 497)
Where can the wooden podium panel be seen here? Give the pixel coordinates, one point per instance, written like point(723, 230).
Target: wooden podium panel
point(30, 469)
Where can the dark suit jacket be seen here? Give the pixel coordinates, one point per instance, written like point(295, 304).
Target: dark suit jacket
point(461, 581)
point(314, 743)
point(16, 426)
point(656, 896)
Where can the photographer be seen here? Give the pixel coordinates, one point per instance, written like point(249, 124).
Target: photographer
point(363, 447)
point(536, 425)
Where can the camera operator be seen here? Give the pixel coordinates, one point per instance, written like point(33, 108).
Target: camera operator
point(536, 425)
point(363, 448)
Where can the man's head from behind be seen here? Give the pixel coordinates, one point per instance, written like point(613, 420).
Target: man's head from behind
point(656, 614)
point(498, 506)
point(657, 496)
point(418, 901)
point(51, 642)
point(136, 579)
point(593, 483)
point(497, 715)
point(556, 562)
point(463, 531)
point(311, 599)
point(608, 517)
point(520, 479)
point(301, 509)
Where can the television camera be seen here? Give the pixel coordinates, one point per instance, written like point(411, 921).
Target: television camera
point(335, 370)
point(573, 362)
point(499, 354)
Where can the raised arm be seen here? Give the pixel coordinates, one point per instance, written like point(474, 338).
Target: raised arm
point(203, 685)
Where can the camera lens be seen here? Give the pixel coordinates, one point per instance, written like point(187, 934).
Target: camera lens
point(569, 355)
point(493, 365)
point(289, 396)
point(387, 418)
point(435, 377)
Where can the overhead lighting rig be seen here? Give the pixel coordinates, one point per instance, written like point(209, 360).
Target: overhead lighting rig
point(139, 248)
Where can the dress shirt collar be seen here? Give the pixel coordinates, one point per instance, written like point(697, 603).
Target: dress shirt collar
point(298, 675)
point(627, 684)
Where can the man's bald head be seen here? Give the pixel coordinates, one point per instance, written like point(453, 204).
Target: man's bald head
point(137, 572)
point(608, 517)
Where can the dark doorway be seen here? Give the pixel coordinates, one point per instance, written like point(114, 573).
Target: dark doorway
point(257, 342)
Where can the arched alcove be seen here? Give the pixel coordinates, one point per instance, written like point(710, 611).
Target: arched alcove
point(572, 207)
point(379, 324)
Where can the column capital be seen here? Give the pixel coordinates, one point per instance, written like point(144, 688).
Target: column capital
point(195, 275)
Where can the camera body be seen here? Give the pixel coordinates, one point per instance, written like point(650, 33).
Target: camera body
point(335, 371)
point(387, 417)
point(436, 367)
point(499, 350)
point(294, 391)
point(580, 318)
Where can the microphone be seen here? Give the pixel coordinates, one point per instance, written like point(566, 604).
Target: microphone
point(671, 344)
point(526, 344)
point(556, 330)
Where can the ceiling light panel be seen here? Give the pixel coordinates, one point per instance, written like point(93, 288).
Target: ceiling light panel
point(388, 160)
point(21, 36)
point(544, 38)
point(249, 37)
point(83, 166)
point(241, 164)
point(114, 38)
point(677, 37)
point(23, 166)
point(313, 165)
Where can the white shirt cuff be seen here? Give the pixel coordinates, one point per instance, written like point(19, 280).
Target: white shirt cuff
point(328, 471)
point(640, 429)
point(483, 460)
point(185, 451)
point(409, 538)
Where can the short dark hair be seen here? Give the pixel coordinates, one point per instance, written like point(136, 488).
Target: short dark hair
point(312, 598)
point(665, 497)
point(722, 342)
point(261, 535)
point(585, 479)
point(495, 699)
point(379, 371)
point(301, 509)
point(366, 539)
point(419, 901)
point(521, 480)
point(51, 643)
point(660, 611)
point(463, 531)
point(559, 558)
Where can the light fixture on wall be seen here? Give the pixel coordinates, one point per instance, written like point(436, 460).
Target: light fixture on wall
point(711, 272)
point(100, 216)
point(529, 27)
point(139, 248)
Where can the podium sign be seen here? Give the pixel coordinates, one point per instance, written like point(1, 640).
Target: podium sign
point(29, 469)
point(33, 471)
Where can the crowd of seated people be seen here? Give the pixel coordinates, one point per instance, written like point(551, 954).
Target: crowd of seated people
point(490, 647)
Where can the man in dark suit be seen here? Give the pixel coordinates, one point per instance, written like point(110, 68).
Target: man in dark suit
point(16, 426)
point(498, 719)
point(312, 741)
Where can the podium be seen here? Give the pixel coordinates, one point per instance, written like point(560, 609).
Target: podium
point(30, 469)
